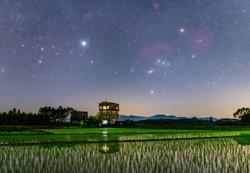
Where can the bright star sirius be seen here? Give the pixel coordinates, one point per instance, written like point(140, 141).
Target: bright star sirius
point(84, 43)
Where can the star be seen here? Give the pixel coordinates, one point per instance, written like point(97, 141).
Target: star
point(151, 71)
point(199, 41)
point(84, 43)
point(159, 45)
point(156, 5)
point(3, 70)
point(161, 62)
point(182, 30)
point(152, 92)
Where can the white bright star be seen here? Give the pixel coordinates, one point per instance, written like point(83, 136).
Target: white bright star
point(182, 30)
point(84, 43)
point(151, 71)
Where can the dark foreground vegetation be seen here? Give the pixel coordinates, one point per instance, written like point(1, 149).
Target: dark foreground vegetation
point(46, 116)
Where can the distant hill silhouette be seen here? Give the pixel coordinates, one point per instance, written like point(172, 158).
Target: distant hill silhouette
point(158, 117)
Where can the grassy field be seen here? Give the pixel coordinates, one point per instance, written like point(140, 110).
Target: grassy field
point(94, 135)
point(124, 150)
point(199, 155)
point(90, 135)
point(79, 131)
point(102, 149)
point(132, 131)
point(116, 130)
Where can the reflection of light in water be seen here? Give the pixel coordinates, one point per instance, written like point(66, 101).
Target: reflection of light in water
point(109, 148)
point(105, 148)
point(105, 134)
point(104, 131)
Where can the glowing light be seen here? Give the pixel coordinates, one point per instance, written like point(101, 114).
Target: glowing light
point(199, 41)
point(156, 5)
point(158, 61)
point(182, 30)
point(84, 43)
point(2, 70)
point(151, 71)
point(105, 122)
point(152, 91)
point(105, 148)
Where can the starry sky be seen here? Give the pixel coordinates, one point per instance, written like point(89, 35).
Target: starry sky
point(185, 57)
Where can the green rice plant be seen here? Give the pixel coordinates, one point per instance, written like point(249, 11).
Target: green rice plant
point(193, 155)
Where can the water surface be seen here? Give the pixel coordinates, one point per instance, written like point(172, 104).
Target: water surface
point(190, 155)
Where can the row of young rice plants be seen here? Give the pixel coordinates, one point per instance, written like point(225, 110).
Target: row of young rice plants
point(200, 155)
point(54, 138)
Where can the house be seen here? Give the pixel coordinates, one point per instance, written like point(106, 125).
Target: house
point(73, 116)
point(77, 116)
point(108, 112)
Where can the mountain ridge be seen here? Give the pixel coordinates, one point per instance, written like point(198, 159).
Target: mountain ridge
point(159, 117)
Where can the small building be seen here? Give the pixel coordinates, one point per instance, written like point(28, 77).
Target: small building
point(108, 112)
point(73, 116)
point(77, 116)
point(65, 118)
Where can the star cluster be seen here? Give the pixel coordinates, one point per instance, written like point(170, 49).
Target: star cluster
point(152, 56)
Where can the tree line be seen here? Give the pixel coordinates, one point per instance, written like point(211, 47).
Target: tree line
point(49, 116)
point(46, 116)
point(243, 114)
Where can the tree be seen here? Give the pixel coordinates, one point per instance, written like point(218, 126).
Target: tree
point(241, 112)
point(93, 121)
point(246, 118)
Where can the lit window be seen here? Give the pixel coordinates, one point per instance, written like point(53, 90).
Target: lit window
point(105, 122)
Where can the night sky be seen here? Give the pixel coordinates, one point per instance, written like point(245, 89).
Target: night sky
point(183, 57)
